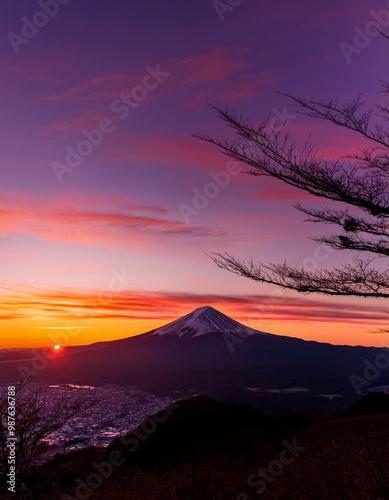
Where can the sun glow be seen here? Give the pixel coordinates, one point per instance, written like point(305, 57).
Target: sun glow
point(57, 347)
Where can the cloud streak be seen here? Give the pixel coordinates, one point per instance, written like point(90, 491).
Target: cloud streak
point(164, 306)
point(80, 219)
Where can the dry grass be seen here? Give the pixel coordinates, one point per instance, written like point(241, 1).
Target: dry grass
point(343, 459)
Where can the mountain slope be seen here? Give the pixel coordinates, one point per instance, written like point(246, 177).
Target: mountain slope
point(202, 449)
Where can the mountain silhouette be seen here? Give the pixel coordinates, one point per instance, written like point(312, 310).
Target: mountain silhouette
point(207, 352)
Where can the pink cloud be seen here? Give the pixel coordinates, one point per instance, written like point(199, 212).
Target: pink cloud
point(275, 191)
point(107, 86)
point(213, 66)
point(248, 85)
point(230, 70)
point(224, 67)
point(67, 129)
point(171, 149)
point(97, 220)
point(44, 72)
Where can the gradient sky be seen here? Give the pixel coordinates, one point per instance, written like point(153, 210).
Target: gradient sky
point(103, 251)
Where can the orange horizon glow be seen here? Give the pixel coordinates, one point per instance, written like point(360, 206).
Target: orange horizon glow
point(33, 319)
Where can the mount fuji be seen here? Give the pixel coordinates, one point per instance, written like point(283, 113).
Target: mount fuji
point(207, 352)
point(203, 321)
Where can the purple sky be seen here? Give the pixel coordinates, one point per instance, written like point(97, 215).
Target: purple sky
point(121, 207)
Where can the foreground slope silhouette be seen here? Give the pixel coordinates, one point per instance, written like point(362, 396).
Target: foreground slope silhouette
point(211, 450)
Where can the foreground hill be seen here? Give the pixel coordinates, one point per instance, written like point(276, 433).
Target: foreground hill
point(207, 352)
point(208, 450)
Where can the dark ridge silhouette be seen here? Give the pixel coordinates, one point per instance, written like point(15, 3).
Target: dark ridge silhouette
point(374, 403)
point(196, 422)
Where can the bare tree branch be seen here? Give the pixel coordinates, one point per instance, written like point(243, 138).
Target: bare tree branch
point(358, 279)
point(358, 181)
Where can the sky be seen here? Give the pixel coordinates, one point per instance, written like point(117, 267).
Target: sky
point(108, 202)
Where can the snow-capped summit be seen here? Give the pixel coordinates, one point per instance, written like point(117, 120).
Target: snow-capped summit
point(201, 321)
